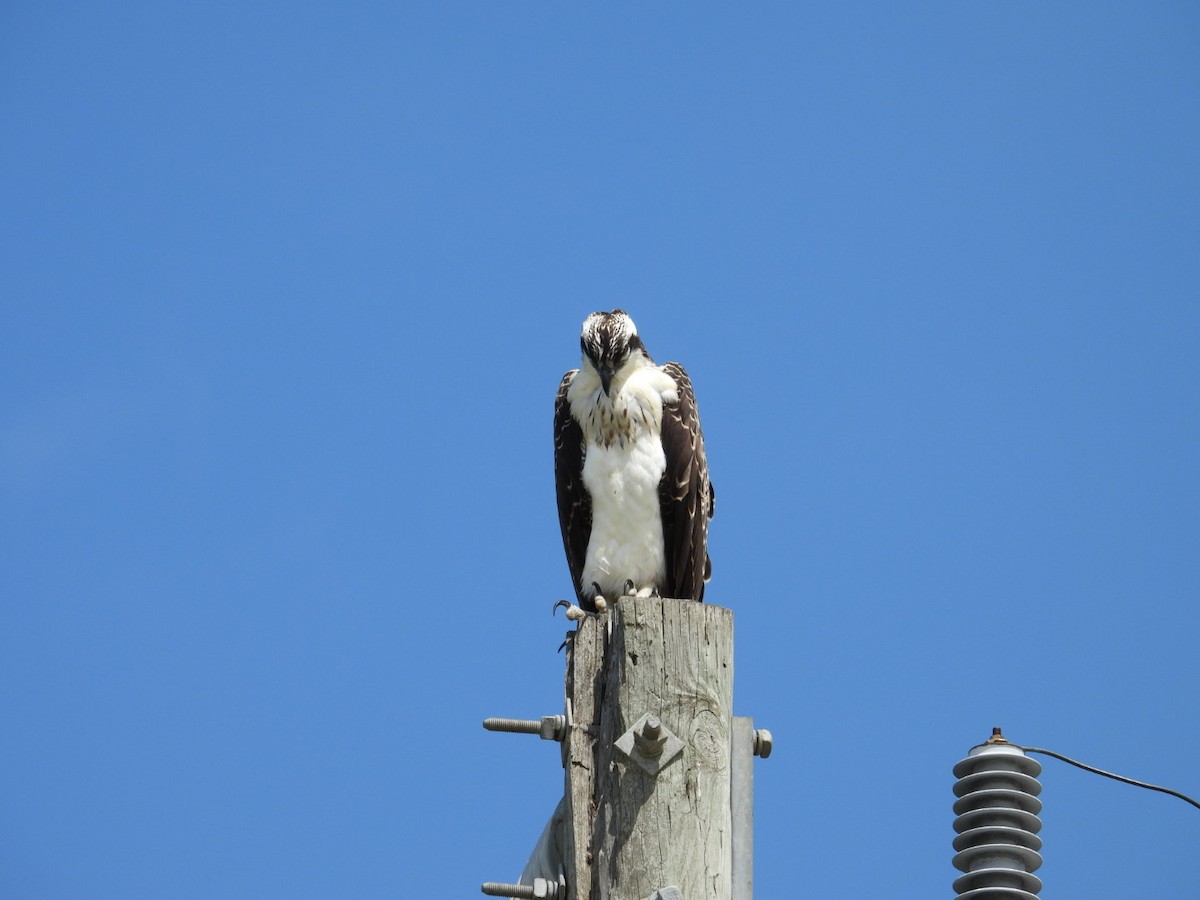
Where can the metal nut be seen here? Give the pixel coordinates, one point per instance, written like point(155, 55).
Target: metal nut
point(762, 742)
point(649, 739)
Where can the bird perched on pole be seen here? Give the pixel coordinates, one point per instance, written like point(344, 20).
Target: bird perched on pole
point(634, 497)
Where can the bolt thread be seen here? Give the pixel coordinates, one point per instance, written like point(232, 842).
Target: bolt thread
point(496, 889)
point(515, 726)
point(541, 889)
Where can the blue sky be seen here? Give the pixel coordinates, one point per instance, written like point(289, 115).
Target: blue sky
point(288, 289)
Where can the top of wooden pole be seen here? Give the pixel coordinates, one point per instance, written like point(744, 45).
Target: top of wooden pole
point(632, 830)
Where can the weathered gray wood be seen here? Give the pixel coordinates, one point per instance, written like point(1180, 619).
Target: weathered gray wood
point(585, 660)
point(672, 659)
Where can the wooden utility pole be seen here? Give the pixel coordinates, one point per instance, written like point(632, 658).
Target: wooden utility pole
point(649, 692)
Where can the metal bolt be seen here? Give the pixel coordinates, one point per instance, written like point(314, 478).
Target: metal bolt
point(650, 744)
point(649, 739)
point(762, 742)
point(541, 889)
point(548, 728)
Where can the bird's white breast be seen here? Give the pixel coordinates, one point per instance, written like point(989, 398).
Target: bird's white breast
point(623, 465)
point(627, 536)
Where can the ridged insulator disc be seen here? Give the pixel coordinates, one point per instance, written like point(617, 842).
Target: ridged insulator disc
point(997, 824)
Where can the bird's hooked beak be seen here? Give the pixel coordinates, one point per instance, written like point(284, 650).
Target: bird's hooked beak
point(606, 377)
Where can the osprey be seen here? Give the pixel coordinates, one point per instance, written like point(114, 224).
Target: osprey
point(634, 497)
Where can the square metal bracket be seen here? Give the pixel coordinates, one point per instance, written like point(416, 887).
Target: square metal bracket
point(650, 744)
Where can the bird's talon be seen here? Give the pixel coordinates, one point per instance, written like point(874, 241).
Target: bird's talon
point(598, 598)
point(574, 613)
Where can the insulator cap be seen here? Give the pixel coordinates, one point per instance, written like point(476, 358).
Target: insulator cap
point(997, 823)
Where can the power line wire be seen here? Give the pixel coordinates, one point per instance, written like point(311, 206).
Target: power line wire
point(1094, 770)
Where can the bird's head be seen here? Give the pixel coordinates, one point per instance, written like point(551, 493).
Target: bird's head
point(610, 342)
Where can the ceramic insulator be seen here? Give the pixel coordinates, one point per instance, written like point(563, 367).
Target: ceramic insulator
point(997, 823)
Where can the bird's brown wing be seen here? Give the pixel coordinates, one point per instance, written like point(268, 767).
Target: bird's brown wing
point(574, 504)
point(685, 493)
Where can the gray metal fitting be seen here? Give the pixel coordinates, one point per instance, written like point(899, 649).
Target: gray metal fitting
point(541, 889)
point(650, 744)
point(548, 728)
point(649, 739)
point(762, 743)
